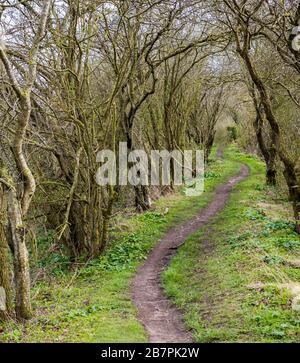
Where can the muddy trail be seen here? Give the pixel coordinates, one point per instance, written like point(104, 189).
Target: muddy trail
point(162, 320)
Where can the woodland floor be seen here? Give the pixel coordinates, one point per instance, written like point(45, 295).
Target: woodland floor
point(230, 280)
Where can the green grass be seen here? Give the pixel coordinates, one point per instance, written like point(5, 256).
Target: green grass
point(227, 278)
point(93, 303)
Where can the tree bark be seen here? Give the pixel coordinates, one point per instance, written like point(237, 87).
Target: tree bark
point(6, 307)
point(269, 154)
point(17, 234)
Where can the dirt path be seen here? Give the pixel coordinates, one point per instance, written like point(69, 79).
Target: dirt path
point(162, 321)
point(220, 152)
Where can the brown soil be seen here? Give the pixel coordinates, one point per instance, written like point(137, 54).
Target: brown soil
point(162, 321)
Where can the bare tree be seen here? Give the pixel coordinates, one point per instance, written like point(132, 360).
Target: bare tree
point(22, 185)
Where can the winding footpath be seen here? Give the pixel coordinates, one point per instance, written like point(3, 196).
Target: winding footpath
point(162, 320)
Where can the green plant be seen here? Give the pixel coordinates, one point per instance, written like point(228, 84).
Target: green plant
point(152, 217)
point(240, 240)
point(255, 214)
point(287, 243)
point(279, 225)
point(211, 175)
point(273, 260)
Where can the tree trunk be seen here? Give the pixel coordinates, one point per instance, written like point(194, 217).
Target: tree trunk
point(209, 144)
point(5, 268)
point(77, 239)
point(292, 177)
point(142, 198)
point(271, 173)
point(290, 167)
point(17, 235)
point(86, 227)
point(269, 154)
